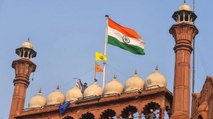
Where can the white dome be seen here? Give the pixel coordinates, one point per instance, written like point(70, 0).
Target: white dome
point(55, 97)
point(184, 6)
point(155, 80)
point(113, 87)
point(93, 90)
point(27, 44)
point(37, 101)
point(73, 94)
point(134, 83)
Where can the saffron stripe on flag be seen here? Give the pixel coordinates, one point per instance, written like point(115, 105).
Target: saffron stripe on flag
point(124, 30)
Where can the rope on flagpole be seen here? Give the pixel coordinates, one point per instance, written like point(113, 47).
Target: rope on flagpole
point(66, 83)
point(193, 5)
point(193, 60)
point(31, 88)
point(95, 73)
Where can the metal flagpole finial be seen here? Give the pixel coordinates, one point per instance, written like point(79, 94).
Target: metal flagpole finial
point(106, 15)
point(184, 1)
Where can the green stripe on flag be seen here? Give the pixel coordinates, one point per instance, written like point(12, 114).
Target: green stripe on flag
point(131, 48)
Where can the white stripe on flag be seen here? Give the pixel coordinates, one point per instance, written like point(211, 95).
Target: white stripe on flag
point(118, 35)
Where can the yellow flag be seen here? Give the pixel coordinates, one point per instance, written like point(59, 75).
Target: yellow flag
point(100, 56)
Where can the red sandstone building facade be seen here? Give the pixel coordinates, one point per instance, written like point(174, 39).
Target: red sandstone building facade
point(136, 99)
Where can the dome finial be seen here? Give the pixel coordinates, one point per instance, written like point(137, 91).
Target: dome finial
point(156, 68)
point(40, 91)
point(155, 80)
point(93, 90)
point(73, 94)
point(27, 44)
point(28, 39)
point(184, 6)
point(114, 76)
point(37, 101)
point(57, 87)
point(136, 72)
point(113, 87)
point(55, 97)
point(134, 83)
point(95, 80)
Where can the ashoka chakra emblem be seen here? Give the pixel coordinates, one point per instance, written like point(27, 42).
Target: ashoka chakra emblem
point(125, 39)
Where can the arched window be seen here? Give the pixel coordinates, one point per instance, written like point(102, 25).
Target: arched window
point(87, 115)
point(108, 114)
point(200, 117)
point(26, 54)
point(152, 109)
point(129, 112)
point(68, 117)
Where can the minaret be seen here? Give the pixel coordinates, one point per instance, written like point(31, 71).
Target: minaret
point(23, 68)
point(184, 32)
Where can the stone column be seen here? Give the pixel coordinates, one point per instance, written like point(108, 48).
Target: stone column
point(139, 115)
point(184, 35)
point(23, 69)
point(118, 116)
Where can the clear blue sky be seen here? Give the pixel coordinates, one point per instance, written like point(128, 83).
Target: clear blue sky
point(67, 33)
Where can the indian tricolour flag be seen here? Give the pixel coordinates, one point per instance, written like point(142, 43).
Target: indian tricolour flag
point(124, 38)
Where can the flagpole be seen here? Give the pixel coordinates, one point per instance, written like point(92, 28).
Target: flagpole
point(95, 73)
point(105, 51)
